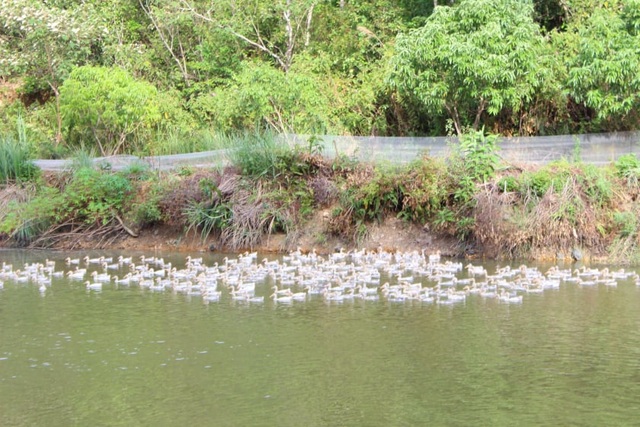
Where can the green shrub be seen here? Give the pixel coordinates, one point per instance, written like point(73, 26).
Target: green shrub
point(94, 196)
point(16, 163)
point(110, 107)
point(24, 222)
point(424, 189)
point(627, 222)
point(508, 184)
point(206, 218)
point(262, 96)
point(257, 154)
point(479, 152)
point(628, 167)
point(537, 183)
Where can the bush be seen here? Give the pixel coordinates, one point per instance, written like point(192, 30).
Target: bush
point(263, 96)
point(95, 197)
point(26, 221)
point(628, 167)
point(257, 154)
point(15, 162)
point(110, 107)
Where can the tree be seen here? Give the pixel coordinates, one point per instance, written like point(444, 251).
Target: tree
point(43, 41)
point(108, 106)
point(261, 95)
point(603, 74)
point(475, 57)
point(278, 29)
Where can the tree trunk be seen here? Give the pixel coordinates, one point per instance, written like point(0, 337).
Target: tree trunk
point(56, 93)
point(453, 113)
point(481, 108)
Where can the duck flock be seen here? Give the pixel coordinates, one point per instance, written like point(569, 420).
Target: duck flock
point(298, 277)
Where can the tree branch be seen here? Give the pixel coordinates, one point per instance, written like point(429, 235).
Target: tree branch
point(259, 44)
point(182, 65)
point(481, 108)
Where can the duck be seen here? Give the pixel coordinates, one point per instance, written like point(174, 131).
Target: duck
point(211, 296)
point(506, 297)
point(123, 260)
point(101, 277)
point(281, 299)
point(93, 286)
point(434, 258)
point(88, 260)
point(126, 280)
point(77, 274)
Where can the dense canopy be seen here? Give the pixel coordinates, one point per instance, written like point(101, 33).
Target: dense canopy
point(175, 68)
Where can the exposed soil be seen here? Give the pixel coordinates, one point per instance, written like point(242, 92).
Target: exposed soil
point(391, 235)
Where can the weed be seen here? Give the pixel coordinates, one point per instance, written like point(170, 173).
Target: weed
point(95, 197)
point(257, 154)
point(186, 171)
point(27, 220)
point(479, 152)
point(82, 159)
point(15, 161)
point(626, 222)
point(138, 171)
point(508, 184)
point(443, 218)
point(628, 168)
point(207, 218)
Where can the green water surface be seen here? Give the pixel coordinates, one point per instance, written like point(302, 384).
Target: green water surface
point(128, 357)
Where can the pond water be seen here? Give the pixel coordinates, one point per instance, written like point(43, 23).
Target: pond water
point(128, 355)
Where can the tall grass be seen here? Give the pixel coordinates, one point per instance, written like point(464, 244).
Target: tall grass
point(82, 158)
point(257, 154)
point(174, 142)
point(16, 164)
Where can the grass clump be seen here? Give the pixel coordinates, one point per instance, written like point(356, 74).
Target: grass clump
point(27, 220)
point(257, 154)
point(16, 164)
point(549, 210)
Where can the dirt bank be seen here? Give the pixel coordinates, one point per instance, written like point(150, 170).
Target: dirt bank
point(390, 235)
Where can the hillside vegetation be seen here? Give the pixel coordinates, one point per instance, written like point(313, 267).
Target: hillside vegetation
point(166, 76)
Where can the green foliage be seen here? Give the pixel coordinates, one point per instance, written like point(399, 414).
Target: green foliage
point(26, 221)
point(602, 72)
point(261, 96)
point(267, 155)
point(477, 56)
point(147, 211)
point(479, 153)
point(595, 183)
point(16, 163)
point(626, 222)
point(443, 218)
point(93, 196)
point(537, 182)
point(43, 41)
point(424, 189)
point(82, 158)
point(174, 141)
point(508, 184)
point(206, 218)
point(256, 153)
point(628, 167)
point(108, 106)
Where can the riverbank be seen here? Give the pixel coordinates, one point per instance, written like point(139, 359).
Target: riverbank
point(276, 199)
point(392, 236)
